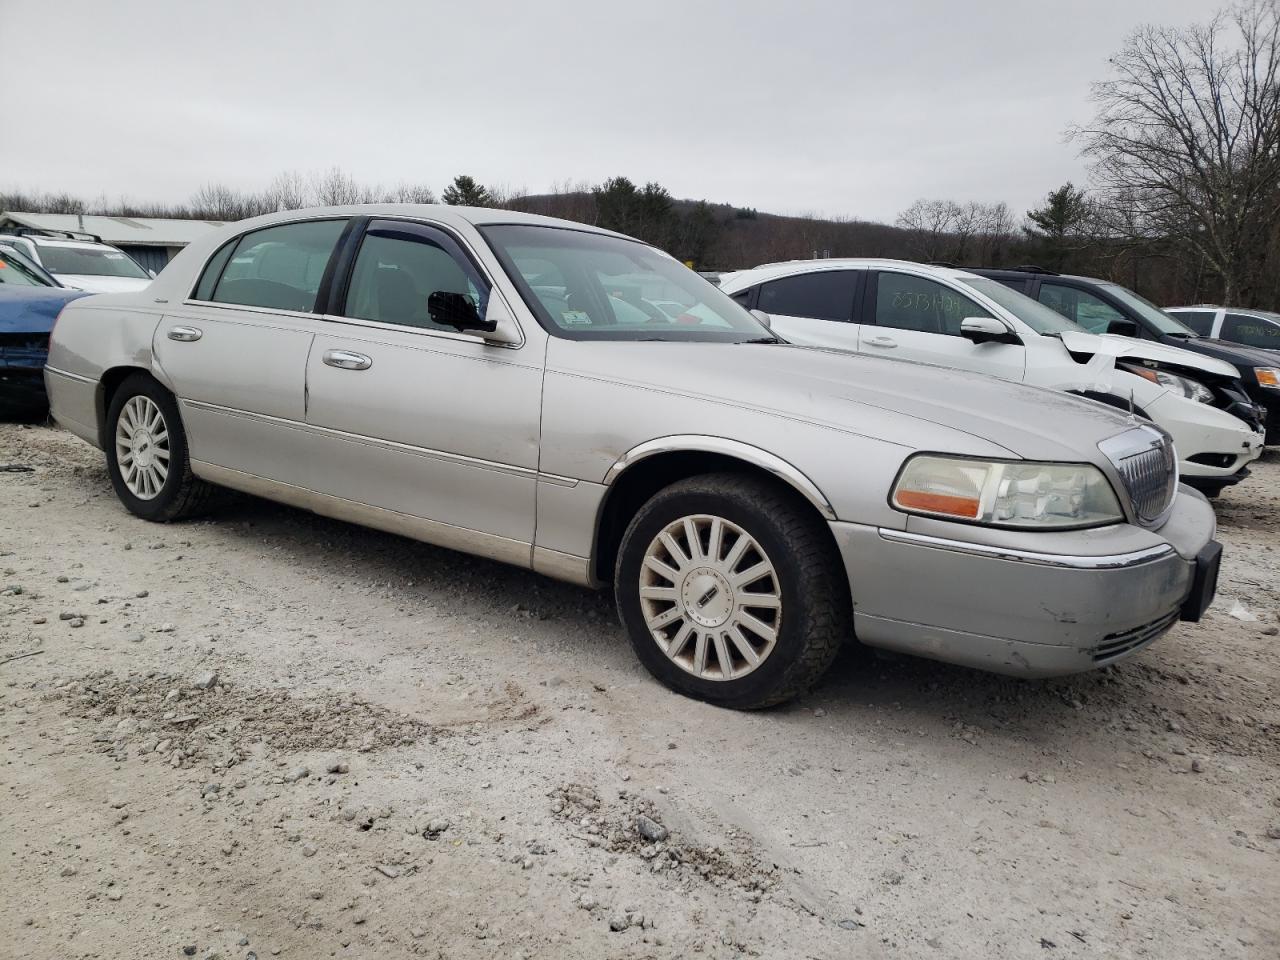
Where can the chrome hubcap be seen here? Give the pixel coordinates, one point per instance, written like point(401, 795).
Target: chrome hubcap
point(710, 597)
point(142, 447)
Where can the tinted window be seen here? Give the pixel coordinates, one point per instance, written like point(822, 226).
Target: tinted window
point(279, 267)
point(823, 296)
point(1254, 331)
point(1019, 284)
point(1201, 321)
point(399, 268)
point(743, 296)
point(1091, 312)
point(587, 286)
point(905, 302)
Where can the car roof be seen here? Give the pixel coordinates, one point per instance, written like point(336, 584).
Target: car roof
point(789, 268)
point(440, 212)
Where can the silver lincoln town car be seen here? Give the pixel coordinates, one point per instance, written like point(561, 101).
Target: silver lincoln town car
point(573, 401)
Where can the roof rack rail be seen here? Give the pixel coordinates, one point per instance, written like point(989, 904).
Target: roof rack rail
point(1032, 268)
point(50, 232)
point(941, 263)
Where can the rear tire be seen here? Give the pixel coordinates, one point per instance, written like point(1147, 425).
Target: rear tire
point(147, 455)
point(732, 591)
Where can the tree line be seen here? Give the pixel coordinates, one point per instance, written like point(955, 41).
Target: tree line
point(1183, 202)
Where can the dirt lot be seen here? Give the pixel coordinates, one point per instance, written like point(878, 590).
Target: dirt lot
point(268, 734)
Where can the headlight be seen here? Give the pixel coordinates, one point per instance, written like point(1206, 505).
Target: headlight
point(1007, 494)
point(1267, 377)
point(1185, 386)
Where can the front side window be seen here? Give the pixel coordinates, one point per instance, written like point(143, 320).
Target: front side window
point(589, 286)
point(398, 270)
point(1152, 316)
point(1201, 321)
point(906, 302)
point(1079, 306)
point(1251, 331)
point(276, 267)
point(90, 261)
point(822, 296)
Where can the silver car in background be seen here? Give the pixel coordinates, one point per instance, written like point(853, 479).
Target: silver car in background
point(523, 389)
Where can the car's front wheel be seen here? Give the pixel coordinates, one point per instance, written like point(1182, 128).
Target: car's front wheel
point(146, 449)
point(732, 591)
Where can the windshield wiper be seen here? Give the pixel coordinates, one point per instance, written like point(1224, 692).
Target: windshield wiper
point(762, 340)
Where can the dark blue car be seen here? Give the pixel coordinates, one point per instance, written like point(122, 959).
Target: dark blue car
point(29, 303)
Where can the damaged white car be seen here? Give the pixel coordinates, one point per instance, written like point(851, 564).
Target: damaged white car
point(953, 318)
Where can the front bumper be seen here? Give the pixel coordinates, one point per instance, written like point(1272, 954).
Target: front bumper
point(1028, 604)
point(1211, 443)
point(21, 391)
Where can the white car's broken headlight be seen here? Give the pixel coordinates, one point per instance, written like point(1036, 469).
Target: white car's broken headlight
point(1007, 493)
point(1184, 386)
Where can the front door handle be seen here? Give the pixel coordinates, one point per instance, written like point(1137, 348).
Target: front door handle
point(886, 342)
point(346, 360)
point(185, 334)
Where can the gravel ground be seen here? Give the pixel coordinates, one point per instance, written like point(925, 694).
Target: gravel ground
point(269, 734)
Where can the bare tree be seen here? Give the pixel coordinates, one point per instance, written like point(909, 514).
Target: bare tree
point(932, 224)
point(336, 188)
point(288, 191)
point(1187, 137)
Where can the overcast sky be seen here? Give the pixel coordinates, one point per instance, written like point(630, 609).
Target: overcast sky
point(848, 109)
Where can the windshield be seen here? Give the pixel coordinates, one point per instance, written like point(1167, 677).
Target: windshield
point(1043, 320)
point(585, 286)
point(89, 261)
point(1153, 315)
point(16, 273)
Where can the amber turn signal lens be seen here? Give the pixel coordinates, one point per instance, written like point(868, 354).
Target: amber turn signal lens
point(966, 507)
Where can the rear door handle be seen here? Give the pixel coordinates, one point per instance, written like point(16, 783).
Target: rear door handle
point(346, 360)
point(887, 342)
point(185, 334)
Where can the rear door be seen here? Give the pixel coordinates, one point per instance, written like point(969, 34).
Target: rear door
point(413, 417)
point(910, 317)
point(235, 352)
point(815, 309)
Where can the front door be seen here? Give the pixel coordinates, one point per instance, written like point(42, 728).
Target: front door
point(908, 317)
point(410, 416)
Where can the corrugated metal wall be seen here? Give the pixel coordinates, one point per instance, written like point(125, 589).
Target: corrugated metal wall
point(151, 258)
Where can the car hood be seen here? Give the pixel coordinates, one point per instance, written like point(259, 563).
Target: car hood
point(1234, 353)
point(32, 309)
point(95, 284)
point(1111, 345)
point(871, 396)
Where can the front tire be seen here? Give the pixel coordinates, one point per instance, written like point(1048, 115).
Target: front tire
point(147, 455)
point(732, 591)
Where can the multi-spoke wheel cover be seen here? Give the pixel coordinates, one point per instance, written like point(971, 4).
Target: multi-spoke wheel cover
point(710, 597)
point(142, 447)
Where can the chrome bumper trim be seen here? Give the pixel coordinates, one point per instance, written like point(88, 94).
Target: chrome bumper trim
point(1107, 562)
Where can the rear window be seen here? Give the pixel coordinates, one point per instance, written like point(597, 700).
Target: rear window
point(278, 267)
point(827, 295)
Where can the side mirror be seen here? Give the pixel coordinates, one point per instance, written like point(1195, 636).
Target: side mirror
point(457, 310)
point(764, 318)
point(1123, 328)
point(987, 330)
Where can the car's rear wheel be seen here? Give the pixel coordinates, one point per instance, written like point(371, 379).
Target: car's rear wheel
point(146, 449)
point(731, 591)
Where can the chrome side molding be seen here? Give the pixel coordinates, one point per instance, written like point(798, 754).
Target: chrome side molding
point(1112, 561)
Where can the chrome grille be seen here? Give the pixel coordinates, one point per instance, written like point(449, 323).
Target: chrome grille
point(1147, 465)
